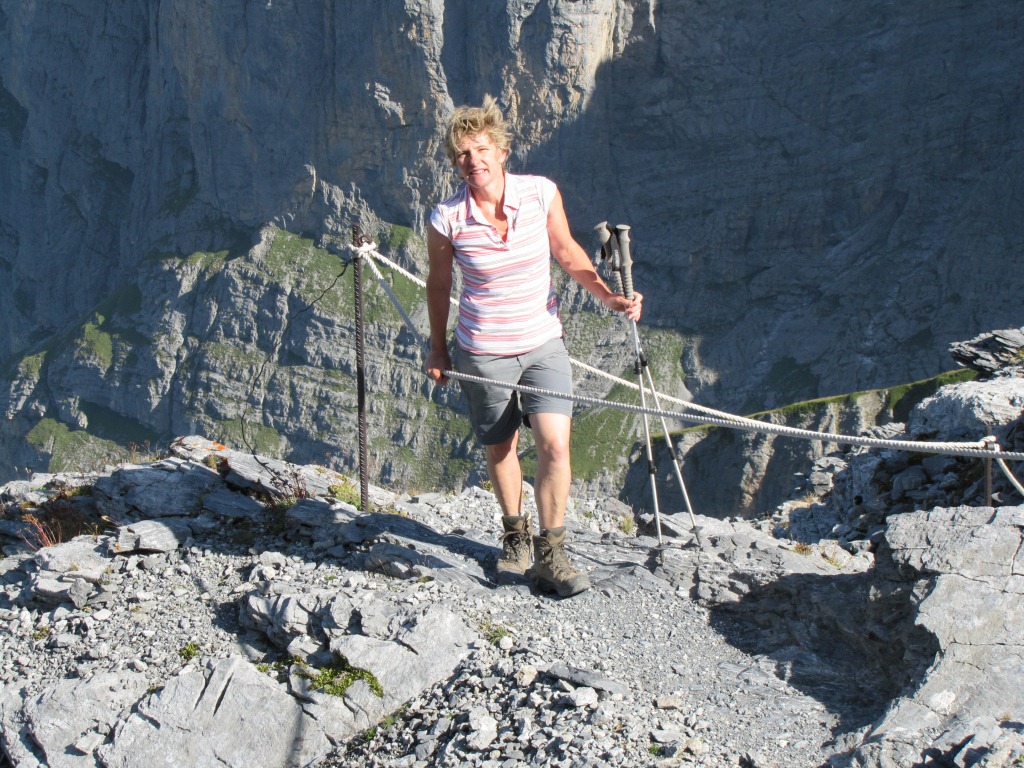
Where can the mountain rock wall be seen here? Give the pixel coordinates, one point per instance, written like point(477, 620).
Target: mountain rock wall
point(821, 198)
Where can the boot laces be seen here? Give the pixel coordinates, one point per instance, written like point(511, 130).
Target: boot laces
point(561, 566)
point(515, 545)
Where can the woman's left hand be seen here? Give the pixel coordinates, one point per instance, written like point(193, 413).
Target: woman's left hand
point(631, 307)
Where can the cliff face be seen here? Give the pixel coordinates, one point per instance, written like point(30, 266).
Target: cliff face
point(821, 200)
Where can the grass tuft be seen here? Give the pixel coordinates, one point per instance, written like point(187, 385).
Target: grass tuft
point(337, 678)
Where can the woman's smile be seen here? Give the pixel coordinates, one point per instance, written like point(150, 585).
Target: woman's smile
point(479, 161)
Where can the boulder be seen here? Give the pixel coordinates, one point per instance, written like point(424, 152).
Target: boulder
point(62, 726)
point(225, 714)
point(170, 488)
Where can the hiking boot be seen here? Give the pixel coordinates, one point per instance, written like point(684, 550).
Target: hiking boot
point(552, 570)
point(515, 548)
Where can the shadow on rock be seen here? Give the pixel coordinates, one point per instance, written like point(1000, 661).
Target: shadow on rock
point(846, 640)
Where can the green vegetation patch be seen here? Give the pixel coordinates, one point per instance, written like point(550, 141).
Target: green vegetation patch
point(493, 633)
point(96, 343)
point(208, 261)
point(337, 678)
point(31, 367)
point(189, 652)
point(604, 437)
point(71, 450)
point(399, 237)
point(811, 406)
point(901, 400)
point(315, 274)
point(430, 462)
point(346, 491)
point(249, 436)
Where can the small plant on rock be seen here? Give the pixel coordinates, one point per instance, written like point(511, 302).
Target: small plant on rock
point(493, 632)
point(189, 652)
point(55, 522)
point(627, 524)
point(831, 559)
point(277, 508)
point(347, 492)
point(394, 717)
point(142, 453)
point(339, 677)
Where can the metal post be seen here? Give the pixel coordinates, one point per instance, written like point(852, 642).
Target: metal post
point(358, 239)
point(991, 444)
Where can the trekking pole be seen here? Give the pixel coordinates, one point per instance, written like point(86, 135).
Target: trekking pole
point(612, 243)
point(621, 277)
point(627, 280)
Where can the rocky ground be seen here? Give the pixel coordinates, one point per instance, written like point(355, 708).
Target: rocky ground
point(231, 610)
point(630, 673)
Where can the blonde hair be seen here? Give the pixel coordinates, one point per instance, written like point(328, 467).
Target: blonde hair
point(472, 121)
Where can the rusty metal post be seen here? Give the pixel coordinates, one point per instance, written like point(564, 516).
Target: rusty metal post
point(358, 239)
point(993, 445)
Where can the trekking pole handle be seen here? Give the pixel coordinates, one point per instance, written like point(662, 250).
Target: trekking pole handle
point(604, 236)
point(626, 267)
point(610, 253)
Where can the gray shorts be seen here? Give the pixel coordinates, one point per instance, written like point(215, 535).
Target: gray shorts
point(497, 412)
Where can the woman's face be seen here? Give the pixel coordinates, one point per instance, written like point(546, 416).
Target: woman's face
point(478, 161)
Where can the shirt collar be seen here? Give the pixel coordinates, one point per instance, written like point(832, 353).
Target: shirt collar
point(511, 205)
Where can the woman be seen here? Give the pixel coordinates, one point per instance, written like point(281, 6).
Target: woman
point(502, 230)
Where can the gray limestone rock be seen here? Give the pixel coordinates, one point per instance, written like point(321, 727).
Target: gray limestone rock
point(969, 562)
point(234, 506)
point(990, 352)
point(225, 713)
point(341, 717)
point(285, 614)
point(84, 557)
point(41, 729)
point(970, 411)
point(164, 535)
point(742, 647)
point(421, 651)
point(310, 517)
point(160, 490)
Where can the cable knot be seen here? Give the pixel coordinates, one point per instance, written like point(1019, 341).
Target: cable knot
point(363, 249)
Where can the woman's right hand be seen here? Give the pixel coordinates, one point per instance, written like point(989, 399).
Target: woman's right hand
point(438, 361)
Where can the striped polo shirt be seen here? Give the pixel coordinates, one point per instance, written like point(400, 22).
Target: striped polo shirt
point(508, 304)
